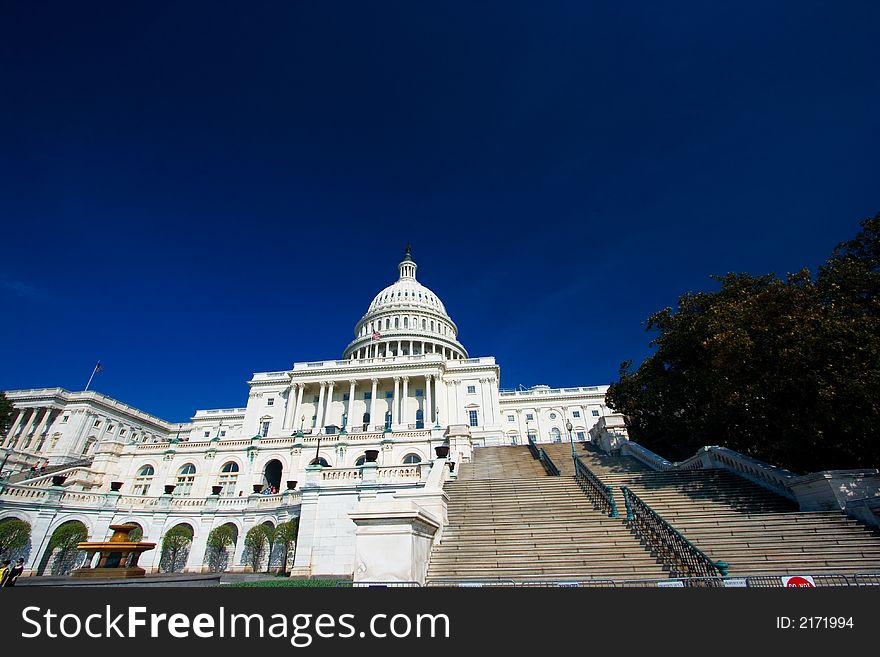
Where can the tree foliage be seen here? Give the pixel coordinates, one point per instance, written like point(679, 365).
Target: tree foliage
point(175, 548)
point(64, 540)
point(255, 543)
point(7, 410)
point(786, 370)
point(14, 535)
point(218, 543)
point(285, 537)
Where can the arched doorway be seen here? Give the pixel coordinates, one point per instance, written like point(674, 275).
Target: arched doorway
point(272, 474)
point(366, 421)
point(420, 419)
point(555, 435)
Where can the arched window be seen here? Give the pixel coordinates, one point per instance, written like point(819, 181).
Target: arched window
point(406, 322)
point(320, 461)
point(420, 419)
point(555, 435)
point(396, 322)
point(410, 459)
point(360, 461)
point(142, 480)
point(185, 478)
point(366, 421)
point(228, 478)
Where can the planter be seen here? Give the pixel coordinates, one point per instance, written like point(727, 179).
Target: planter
point(442, 451)
point(291, 485)
point(58, 480)
point(215, 490)
point(371, 455)
point(169, 488)
point(115, 485)
point(258, 488)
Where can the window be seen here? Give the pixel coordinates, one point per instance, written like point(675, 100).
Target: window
point(530, 417)
point(510, 418)
point(222, 433)
point(406, 322)
point(552, 416)
point(595, 413)
point(575, 413)
point(368, 396)
point(122, 432)
point(345, 396)
point(65, 419)
point(389, 395)
point(387, 323)
point(410, 459)
point(270, 401)
point(264, 430)
point(207, 434)
point(396, 323)
point(142, 480)
point(109, 427)
point(185, 478)
point(97, 424)
point(472, 390)
point(420, 393)
point(580, 435)
point(228, 478)
point(360, 461)
point(424, 324)
point(472, 418)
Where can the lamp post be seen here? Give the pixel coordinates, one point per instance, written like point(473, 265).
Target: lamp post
point(528, 432)
point(570, 439)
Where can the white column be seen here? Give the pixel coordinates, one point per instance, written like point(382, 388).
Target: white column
point(437, 398)
point(495, 395)
point(352, 384)
point(484, 406)
point(403, 398)
point(300, 388)
point(373, 401)
point(456, 396)
point(18, 443)
point(15, 426)
point(395, 400)
point(429, 411)
point(41, 426)
point(288, 407)
point(538, 425)
point(328, 406)
point(319, 428)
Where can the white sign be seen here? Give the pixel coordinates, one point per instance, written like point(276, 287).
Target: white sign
point(675, 583)
point(736, 582)
point(798, 582)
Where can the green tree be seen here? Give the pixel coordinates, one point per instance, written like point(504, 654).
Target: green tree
point(14, 535)
point(285, 537)
point(783, 370)
point(7, 410)
point(255, 544)
point(64, 540)
point(175, 548)
point(218, 542)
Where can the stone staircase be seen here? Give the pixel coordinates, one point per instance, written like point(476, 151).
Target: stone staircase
point(509, 520)
point(731, 519)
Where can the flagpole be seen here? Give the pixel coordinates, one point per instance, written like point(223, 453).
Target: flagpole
point(94, 371)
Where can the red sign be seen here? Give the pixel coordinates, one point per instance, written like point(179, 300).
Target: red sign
point(798, 582)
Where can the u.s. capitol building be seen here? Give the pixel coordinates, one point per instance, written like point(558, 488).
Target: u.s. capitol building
point(306, 443)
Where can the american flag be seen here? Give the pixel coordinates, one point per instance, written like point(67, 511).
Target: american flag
point(376, 336)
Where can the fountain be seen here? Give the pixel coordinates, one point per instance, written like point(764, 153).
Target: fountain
point(114, 556)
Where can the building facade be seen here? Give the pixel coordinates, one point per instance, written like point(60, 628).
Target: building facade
point(399, 386)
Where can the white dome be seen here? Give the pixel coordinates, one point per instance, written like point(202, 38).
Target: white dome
point(408, 318)
point(407, 292)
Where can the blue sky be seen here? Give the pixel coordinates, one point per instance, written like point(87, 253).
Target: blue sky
point(194, 193)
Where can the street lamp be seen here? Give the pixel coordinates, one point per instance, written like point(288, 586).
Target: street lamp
point(570, 439)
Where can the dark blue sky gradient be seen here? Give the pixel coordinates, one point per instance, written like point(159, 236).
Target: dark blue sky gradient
point(192, 192)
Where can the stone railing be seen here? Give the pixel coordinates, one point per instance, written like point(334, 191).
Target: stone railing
point(384, 474)
point(645, 455)
point(83, 499)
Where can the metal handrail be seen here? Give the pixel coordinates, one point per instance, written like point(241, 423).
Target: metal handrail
point(599, 494)
point(683, 557)
point(533, 448)
point(548, 464)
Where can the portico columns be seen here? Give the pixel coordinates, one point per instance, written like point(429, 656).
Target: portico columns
point(299, 399)
point(429, 416)
point(395, 400)
point(373, 402)
point(328, 406)
point(15, 426)
point(319, 416)
point(352, 384)
point(403, 399)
